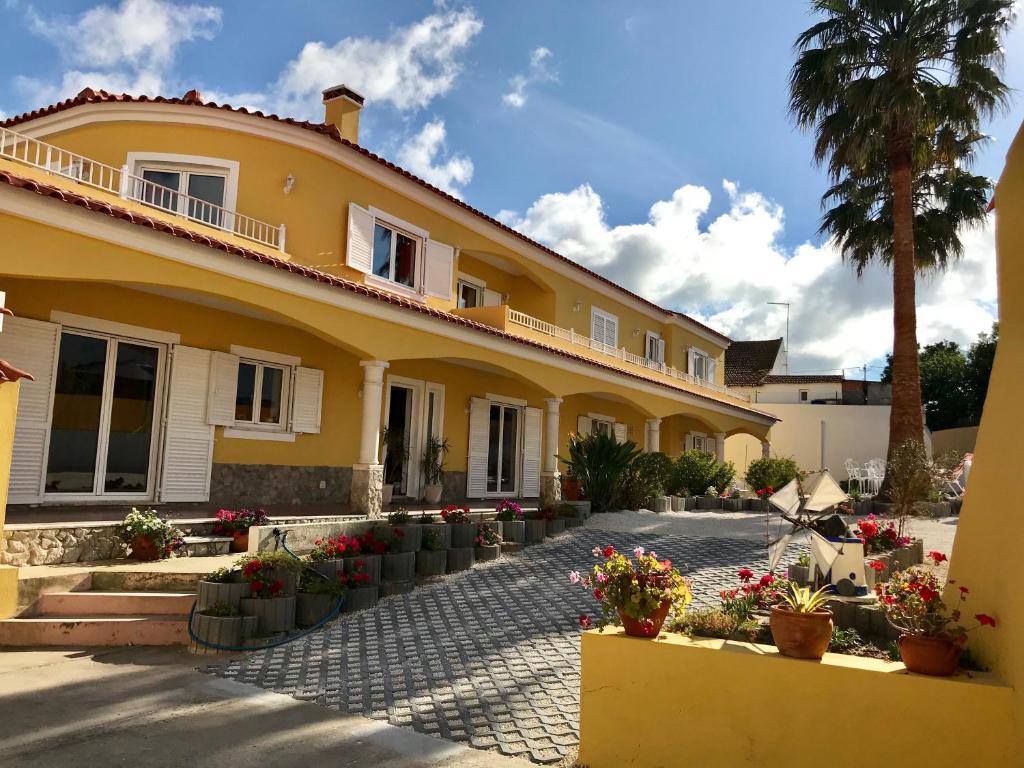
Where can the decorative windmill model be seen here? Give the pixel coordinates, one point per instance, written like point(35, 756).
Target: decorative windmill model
point(805, 503)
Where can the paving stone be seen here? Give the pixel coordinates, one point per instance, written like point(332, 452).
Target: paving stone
point(489, 656)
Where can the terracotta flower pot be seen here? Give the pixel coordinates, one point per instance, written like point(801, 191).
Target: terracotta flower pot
point(801, 635)
point(144, 550)
point(240, 541)
point(938, 656)
point(649, 627)
point(571, 489)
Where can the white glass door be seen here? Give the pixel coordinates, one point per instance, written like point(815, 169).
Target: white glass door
point(503, 448)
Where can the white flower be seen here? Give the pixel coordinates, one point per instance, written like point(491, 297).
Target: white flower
point(574, 577)
point(596, 552)
point(638, 552)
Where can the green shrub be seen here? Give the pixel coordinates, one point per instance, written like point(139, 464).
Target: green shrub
point(221, 611)
point(844, 640)
point(706, 622)
point(647, 477)
point(694, 471)
point(601, 464)
point(770, 472)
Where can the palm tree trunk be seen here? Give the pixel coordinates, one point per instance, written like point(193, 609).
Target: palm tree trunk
point(905, 420)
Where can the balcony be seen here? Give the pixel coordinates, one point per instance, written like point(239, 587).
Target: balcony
point(521, 324)
point(54, 161)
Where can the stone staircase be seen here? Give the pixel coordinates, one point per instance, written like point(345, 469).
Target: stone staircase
point(106, 608)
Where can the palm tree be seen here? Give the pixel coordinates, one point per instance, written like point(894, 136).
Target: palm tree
point(894, 91)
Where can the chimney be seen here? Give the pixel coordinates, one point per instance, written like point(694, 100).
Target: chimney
point(341, 109)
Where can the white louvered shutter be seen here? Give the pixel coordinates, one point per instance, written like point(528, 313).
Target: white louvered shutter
point(533, 420)
point(307, 399)
point(359, 251)
point(659, 350)
point(492, 298)
point(188, 436)
point(584, 425)
point(597, 327)
point(691, 361)
point(223, 380)
point(438, 271)
point(31, 345)
point(476, 462)
point(621, 433)
point(712, 364)
point(688, 442)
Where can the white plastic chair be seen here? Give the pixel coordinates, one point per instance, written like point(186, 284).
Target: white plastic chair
point(854, 474)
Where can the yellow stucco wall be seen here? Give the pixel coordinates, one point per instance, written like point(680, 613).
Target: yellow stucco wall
point(8, 413)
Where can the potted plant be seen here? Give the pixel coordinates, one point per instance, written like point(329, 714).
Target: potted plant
point(149, 535)
point(272, 566)
point(513, 528)
point(602, 465)
point(370, 552)
point(328, 554)
point(434, 453)
point(363, 591)
point(236, 524)
point(397, 564)
point(931, 636)
point(800, 572)
point(463, 531)
point(710, 499)
point(223, 624)
point(733, 502)
point(411, 533)
point(638, 595)
point(554, 525)
point(569, 514)
point(572, 489)
point(801, 626)
point(488, 543)
point(432, 559)
point(318, 597)
point(536, 527)
point(224, 586)
point(394, 454)
point(268, 599)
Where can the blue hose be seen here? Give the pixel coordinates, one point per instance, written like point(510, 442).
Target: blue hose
point(280, 538)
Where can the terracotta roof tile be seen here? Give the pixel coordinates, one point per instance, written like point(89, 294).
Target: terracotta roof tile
point(748, 363)
point(160, 225)
point(803, 379)
point(193, 98)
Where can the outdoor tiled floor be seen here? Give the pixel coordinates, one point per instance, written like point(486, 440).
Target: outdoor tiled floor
point(490, 656)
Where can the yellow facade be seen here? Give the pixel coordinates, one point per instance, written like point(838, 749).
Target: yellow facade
point(8, 412)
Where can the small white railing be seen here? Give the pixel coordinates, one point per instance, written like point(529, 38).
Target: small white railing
point(120, 181)
point(540, 326)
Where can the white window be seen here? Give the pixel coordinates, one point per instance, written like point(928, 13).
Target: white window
point(655, 347)
point(470, 294)
point(803, 395)
point(701, 365)
point(698, 441)
point(202, 188)
point(261, 397)
point(602, 427)
point(604, 329)
point(395, 254)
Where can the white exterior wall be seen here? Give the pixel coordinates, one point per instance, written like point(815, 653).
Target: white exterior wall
point(858, 432)
point(790, 393)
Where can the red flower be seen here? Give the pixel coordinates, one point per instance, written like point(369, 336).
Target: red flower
point(867, 529)
point(766, 580)
point(257, 586)
point(608, 551)
point(876, 565)
point(276, 587)
point(399, 533)
point(745, 574)
point(985, 620)
point(937, 557)
point(598, 594)
point(584, 621)
point(964, 590)
point(927, 593)
point(666, 564)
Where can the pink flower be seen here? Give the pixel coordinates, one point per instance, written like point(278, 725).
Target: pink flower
point(574, 577)
point(602, 578)
point(638, 552)
point(584, 621)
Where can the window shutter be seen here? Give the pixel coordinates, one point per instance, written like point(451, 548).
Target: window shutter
point(691, 361)
point(31, 345)
point(621, 433)
point(584, 425)
point(307, 400)
point(660, 349)
point(476, 463)
point(223, 379)
point(712, 364)
point(439, 265)
point(597, 327)
point(532, 421)
point(188, 436)
point(688, 442)
point(492, 298)
point(359, 253)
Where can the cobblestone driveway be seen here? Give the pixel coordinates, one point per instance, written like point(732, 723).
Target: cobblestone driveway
point(490, 656)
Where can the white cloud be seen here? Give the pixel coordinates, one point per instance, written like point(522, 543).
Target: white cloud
point(425, 154)
point(539, 71)
point(408, 69)
point(131, 47)
point(724, 271)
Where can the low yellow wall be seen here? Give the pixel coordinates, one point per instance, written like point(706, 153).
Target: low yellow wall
point(676, 702)
point(961, 440)
point(8, 414)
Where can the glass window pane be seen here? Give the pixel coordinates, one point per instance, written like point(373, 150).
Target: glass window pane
point(509, 442)
point(493, 444)
point(158, 196)
point(209, 189)
point(131, 419)
point(469, 296)
point(78, 396)
point(246, 391)
point(270, 395)
point(405, 260)
point(382, 251)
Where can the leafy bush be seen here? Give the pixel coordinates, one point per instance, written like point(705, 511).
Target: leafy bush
point(601, 464)
point(647, 477)
point(400, 516)
point(706, 622)
point(221, 610)
point(844, 640)
point(693, 471)
point(770, 472)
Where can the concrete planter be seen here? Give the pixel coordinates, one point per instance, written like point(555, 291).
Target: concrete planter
point(312, 609)
point(359, 598)
point(862, 508)
point(484, 554)
point(288, 576)
point(460, 559)
point(388, 588)
point(801, 574)
point(709, 502)
point(572, 522)
point(411, 537)
point(904, 557)
point(224, 630)
point(757, 505)
point(441, 529)
point(431, 563)
point(399, 566)
point(513, 531)
point(582, 508)
point(936, 509)
point(329, 568)
point(733, 505)
point(955, 505)
point(213, 593)
point(678, 503)
point(536, 530)
point(276, 614)
point(881, 508)
point(511, 547)
point(662, 504)
point(432, 493)
point(689, 503)
point(555, 527)
point(462, 535)
point(371, 566)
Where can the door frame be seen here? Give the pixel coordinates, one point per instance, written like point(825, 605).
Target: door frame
point(519, 406)
point(415, 440)
point(103, 429)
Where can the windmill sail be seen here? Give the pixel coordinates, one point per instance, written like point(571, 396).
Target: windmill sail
point(787, 498)
point(822, 492)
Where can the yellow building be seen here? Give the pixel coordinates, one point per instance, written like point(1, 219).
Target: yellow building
point(227, 306)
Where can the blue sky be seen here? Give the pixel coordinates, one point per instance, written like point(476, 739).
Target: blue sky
point(648, 140)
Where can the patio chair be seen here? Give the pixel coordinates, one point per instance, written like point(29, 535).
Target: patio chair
point(855, 474)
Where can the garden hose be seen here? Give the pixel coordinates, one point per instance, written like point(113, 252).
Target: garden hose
point(280, 538)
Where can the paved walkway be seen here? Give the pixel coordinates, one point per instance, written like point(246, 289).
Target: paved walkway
point(490, 656)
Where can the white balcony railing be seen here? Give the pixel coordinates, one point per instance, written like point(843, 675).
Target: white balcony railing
point(569, 335)
point(120, 181)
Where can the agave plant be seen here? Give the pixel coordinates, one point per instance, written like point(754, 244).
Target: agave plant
point(802, 600)
point(601, 464)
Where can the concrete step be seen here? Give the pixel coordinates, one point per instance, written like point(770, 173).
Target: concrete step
point(94, 631)
point(110, 603)
point(145, 581)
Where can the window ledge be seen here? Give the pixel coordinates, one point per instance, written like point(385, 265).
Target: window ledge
point(393, 287)
point(241, 433)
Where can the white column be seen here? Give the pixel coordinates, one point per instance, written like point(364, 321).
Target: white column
point(373, 390)
point(720, 446)
point(653, 435)
point(550, 485)
point(766, 449)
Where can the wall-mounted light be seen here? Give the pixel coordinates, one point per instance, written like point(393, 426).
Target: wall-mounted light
point(578, 306)
point(288, 184)
point(637, 332)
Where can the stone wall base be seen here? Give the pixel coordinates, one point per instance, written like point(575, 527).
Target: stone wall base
point(239, 485)
point(366, 497)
